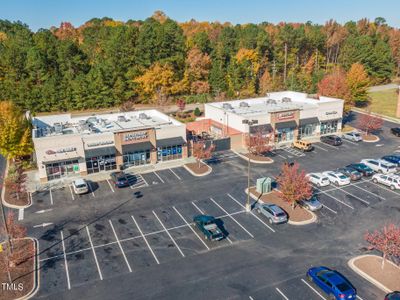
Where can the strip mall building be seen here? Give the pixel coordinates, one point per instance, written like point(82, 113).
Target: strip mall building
point(288, 115)
point(67, 146)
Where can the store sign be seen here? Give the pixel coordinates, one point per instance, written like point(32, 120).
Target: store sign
point(285, 115)
point(329, 113)
point(102, 143)
point(62, 150)
point(136, 136)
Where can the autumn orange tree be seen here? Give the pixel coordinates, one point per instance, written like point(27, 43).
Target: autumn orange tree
point(201, 151)
point(335, 85)
point(258, 143)
point(385, 240)
point(357, 82)
point(293, 184)
point(369, 122)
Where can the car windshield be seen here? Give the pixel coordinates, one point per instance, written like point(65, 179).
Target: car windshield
point(354, 172)
point(325, 178)
point(342, 177)
point(356, 134)
point(281, 214)
point(80, 185)
point(343, 287)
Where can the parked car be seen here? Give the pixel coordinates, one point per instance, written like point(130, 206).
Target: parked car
point(304, 146)
point(349, 172)
point(334, 284)
point(395, 131)
point(380, 165)
point(393, 296)
point(333, 140)
point(119, 179)
point(392, 181)
point(352, 136)
point(318, 179)
point(337, 178)
point(208, 226)
point(311, 204)
point(394, 159)
point(80, 186)
point(274, 213)
point(362, 168)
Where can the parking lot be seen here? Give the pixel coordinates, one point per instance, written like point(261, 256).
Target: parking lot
point(119, 242)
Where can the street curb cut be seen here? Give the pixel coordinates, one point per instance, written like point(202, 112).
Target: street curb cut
point(379, 285)
point(294, 223)
point(271, 161)
point(198, 175)
point(3, 191)
point(374, 141)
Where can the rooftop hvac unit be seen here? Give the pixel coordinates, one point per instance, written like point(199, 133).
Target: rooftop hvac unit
point(244, 104)
point(91, 120)
point(121, 119)
point(58, 127)
point(271, 101)
point(227, 106)
point(143, 116)
point(286, 100)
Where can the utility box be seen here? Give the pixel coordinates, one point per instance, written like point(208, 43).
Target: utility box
point(259, 186)
point(263, 185)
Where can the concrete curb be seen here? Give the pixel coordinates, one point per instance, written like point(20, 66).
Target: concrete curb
point(306, 222)
point(3, 191)
point(198, 175)
point(377, 139)
point(252, 160)
point(379, 285)
point(386, 118)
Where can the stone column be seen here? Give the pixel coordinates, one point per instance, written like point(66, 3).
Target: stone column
point(398, 103)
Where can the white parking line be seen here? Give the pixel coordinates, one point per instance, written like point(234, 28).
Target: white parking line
point(170, 236)
point(145, 240)
point(334, 198)
point(233, 219)
point(159, 177)
point(175, 174)
point(110, 185)
point(315, 291)
point(144, 180)
point(356, 186)
point(94, 254)
point(251, 298)
point(253, 214)
point(358, 297)
point(347, 141)
point(191, 228)
point(328, 208)
point(319, 147)
point(91, 189)
point(65, 260)
point(72, 194)
point(20, 214)
point(358, 198)
point(382, 187)
point(120, 246)
point(51, 196)
point(202, 212)
point(327, 145)
point(282, 294)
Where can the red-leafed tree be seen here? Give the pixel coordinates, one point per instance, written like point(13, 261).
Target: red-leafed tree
point(335, 85)
point(258, 143)
point(201, 151)
point(386, 241)
point(368, 122)
point(181, 103)
point(293, 184)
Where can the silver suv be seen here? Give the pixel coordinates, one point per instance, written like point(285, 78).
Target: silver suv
point(274, 213)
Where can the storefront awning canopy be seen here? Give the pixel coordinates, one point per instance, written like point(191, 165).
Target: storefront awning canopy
point(288, 124)
point(171, 142)
point(313, 120)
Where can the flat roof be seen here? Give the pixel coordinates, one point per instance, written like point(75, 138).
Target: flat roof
point(273, 102)
point(64, 124)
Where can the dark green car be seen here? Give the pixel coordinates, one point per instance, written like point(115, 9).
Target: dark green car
point(209, 227)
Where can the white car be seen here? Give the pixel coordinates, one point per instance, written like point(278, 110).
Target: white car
point(318, 179)
point(380, 165)
point(392, 181)
point(337, 178)
point(352, 136)
point(80, 186)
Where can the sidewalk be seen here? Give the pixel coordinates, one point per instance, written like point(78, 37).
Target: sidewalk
point(386, 118)
point(33, 183)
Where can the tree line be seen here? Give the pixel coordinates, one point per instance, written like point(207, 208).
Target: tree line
point(106, 63)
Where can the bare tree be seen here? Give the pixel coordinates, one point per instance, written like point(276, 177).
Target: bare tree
point(201, 151)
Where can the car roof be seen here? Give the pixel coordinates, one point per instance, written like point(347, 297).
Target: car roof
point(274, 207)
point(334, 277)
point(204, 218)
point(79, 181)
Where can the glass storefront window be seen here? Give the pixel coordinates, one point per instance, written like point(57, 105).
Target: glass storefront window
point(329, 127)
point(96, 164)
point(284, 135)
point(62, 169)
point(136, 158)
point(169, 153)
point(307, 130)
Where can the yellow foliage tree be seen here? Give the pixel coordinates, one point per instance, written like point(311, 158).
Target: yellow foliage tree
point(249, 55)
point(357, 81)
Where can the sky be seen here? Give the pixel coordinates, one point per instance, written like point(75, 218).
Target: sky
point(46, 13)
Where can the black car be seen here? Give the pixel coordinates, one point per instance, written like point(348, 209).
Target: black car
point(362, 168)
point(350, 172)
point(120, 179)
point(395, 131)
point(333, 140)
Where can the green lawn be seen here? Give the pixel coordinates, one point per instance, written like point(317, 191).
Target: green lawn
point(384, 102)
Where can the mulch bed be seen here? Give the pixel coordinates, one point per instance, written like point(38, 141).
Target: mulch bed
point(369, 137)
point(22, 274)
point(256, 157)
point(298, 214)
point(389, 276)
point(194, 167)
point(20, 199)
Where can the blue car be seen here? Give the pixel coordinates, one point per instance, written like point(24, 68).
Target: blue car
point(394, 159)
point(334, 284)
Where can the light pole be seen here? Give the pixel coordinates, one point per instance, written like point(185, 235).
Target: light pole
point(249, 123)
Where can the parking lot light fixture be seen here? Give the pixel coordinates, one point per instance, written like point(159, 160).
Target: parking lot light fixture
point(249, 123)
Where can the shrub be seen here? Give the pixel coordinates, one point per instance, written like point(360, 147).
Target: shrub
point(197, 112)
